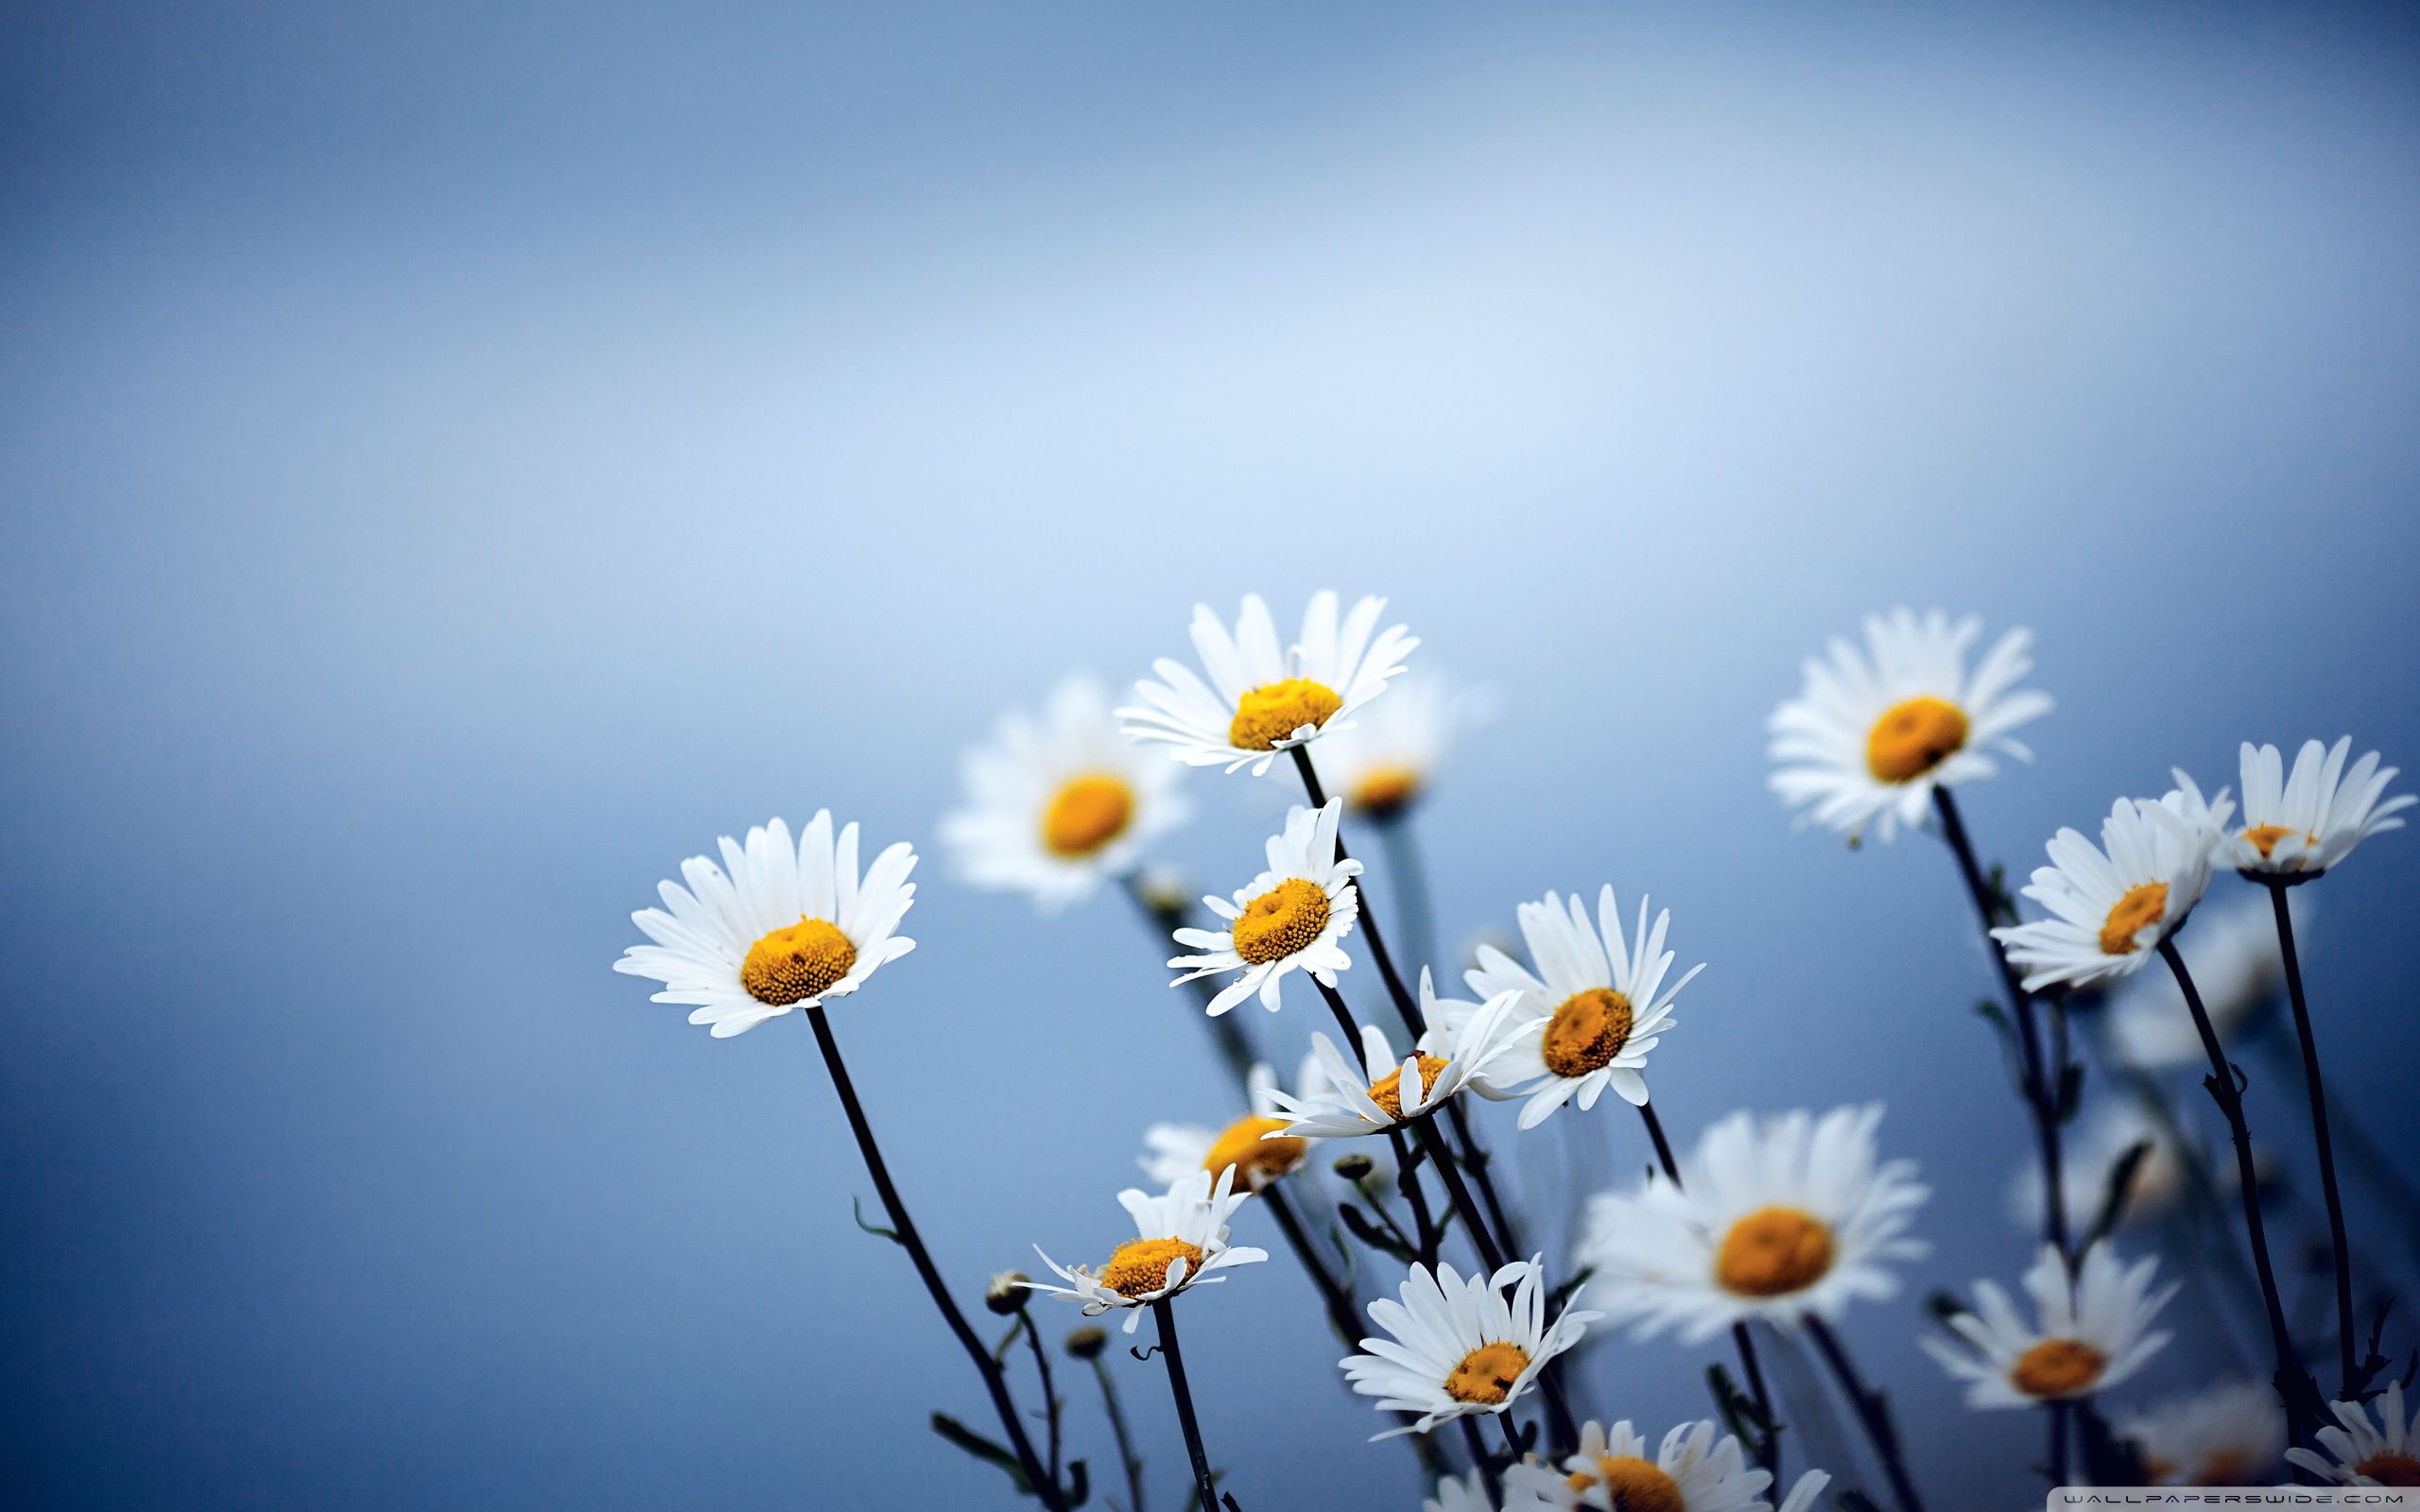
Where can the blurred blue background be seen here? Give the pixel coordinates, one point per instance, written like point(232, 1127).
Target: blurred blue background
point(460, 460)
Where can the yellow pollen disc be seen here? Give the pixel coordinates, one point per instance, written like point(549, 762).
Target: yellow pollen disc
point(2058, 1367)
point(1141, 1265)
point(1912, 738)
point(1487, 1373)
point(2391, 1469)
point(2142, 906)
point(1267, 714)
point(1280, 921)
point(1385, 789)
point(1086, 813)
point(1387, 1092)
point(1588, 1031)
point(1634, 1484)
point(1772, 1252)
point(796, 962)
point(1257, 1160)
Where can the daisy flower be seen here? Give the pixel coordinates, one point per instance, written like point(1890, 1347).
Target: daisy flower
point(1258, 699)
point(2092, 1333)
point(775, 927)
point(1616, 1471)
point(2363, 1451)
point(1294, 916)
point(1172, 1152)
point(2231, 1435)
point(1054, 806)
point(2299, 826)
point(1384, 763)
point(1872, 734)
point(2232, 951)
point(1443, 1063)
point(1600, 1002)
point(2112, 905)
point(2090, 1157)
point(1459, 1493)
point(1772, 1219)
point(1459, 1346)
point(1181, 1242)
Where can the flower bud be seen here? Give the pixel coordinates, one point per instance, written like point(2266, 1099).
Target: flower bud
point(1007, 1295)
point(1087, 1341)
point(1353, 1167)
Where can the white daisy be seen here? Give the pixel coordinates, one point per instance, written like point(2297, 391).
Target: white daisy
point(1344, 1102)
point(1260, 699)
point(2232, 951)
point(1801, 1496)
point(1294, 916)
point(2112, 904)
point(1600, 1002)
point(1172, 1152)
point(1773, 1219)
point(2089, 1157)
point(2366, 1452)
point(1055, 806)
point(2092, 1333)
point(1458, 1346)
point(1385, 762)
point(1459, 1493)
point(1872, 734)
point(1182, 1243)
point(785, 927)
point(1694, 1471)
point(2230, 1435)
point(2303, 824)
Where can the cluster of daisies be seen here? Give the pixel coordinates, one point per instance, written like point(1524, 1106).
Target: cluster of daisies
point(1762, 1234)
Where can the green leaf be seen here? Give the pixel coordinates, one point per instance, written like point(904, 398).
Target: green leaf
point(1000, 1351)
point(981, 1448)
point(1370, 1233)
point(1561, 1296)
point(859, 1214)
point(2113, 1203)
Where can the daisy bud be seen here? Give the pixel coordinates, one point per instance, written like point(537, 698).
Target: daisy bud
point(1087, 1341)
point(1353, 1167)
point(1165, 891)
point(1006, 1295)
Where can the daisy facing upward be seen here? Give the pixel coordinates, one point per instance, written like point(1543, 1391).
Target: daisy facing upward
point(2112, 905)
point(2090, 1334)
point(2301, 825)
point(1293, 917)
point(1181, 1242)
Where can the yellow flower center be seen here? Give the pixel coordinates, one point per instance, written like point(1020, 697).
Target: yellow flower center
point(2142, 905)
point(1087, 813)
point(1386, 789)
point(1267, 714)
point(796, 962)
point(1387, 1092)
point(1912, 738)
point(1257, 1160)
point(1632, 1484)
point(1588, 1031)
point(1487, 1373)
point(1772, 1252)
point(2058, 1367)
point(1280, 921)
point(1141, 1265)
point(2391, 1469)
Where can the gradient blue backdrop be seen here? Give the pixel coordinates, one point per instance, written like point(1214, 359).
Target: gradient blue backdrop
point(460, 460)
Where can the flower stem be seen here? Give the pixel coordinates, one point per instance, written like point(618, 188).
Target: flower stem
point(1046, 1489)
point(1165, 1315)
point(1406, 1005)
point(1407, 1181)
point(1126, 1454)
point(2318, 1096)
point(1049, 1393)
point(1341, 1315)
point(1872, 1412)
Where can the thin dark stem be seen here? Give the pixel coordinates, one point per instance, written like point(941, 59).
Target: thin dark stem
point(1406, 1006)
point(1341, 1314)
point(1655, 1135)
point(1872, 1412)
point(1481, 1460)
point(2060, 1413)
point(1406, 1180)
point(1165, 1316)
point(1477, 1161)
point(1126, 1454)
point(1234, 1045)
point(2364, 1153)
point(2318, 1096)
point(1769, 1451)
point(994, 1382)
point(1424, 1129)
point(1049, 1393)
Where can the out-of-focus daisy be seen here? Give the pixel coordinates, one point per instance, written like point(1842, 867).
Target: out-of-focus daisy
point(1459, 1346)
point(2230, 1435)
point(1344, 1102)
point(775, 927)
point(1260, 698)
point(2232, 951)
point(2362, 1450)
point(1459, 1493)
point(1695, 1469)
point(1294, 916)
point(1801, 1496)
point(1054, 806)
point(2090, 1155)
point(2089, 1336)
point(2303, 824)
point(1182, 1242)
point(2112, 905)
point(1872, 732)
point(1772, 1219)
point(1599, 1001)
point(1172, 1152)
point(1384, 763)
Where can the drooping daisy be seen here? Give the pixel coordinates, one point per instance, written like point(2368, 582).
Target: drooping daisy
point(1345, 1102)
point(2230, 1435)
point(1175, 1151)
point(2089, 1158)
point(1872, 734)
point(2302, 825)
point(2091, 1334)
point(784, 927)
point(2366, 1452)
point(1260, 699)
point(1054, 806)
point(1181, 1242)
point(2111, 906)
point(1459, 1346)
point(1384, 763)
point(2232, 951)
point(1600, 1002)
point(1294, 916)
point(1773, 1219)
point(1616, 1471)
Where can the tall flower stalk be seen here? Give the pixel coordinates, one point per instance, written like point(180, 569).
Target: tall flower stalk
point(1173, 1355)
point(2316, 1088)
